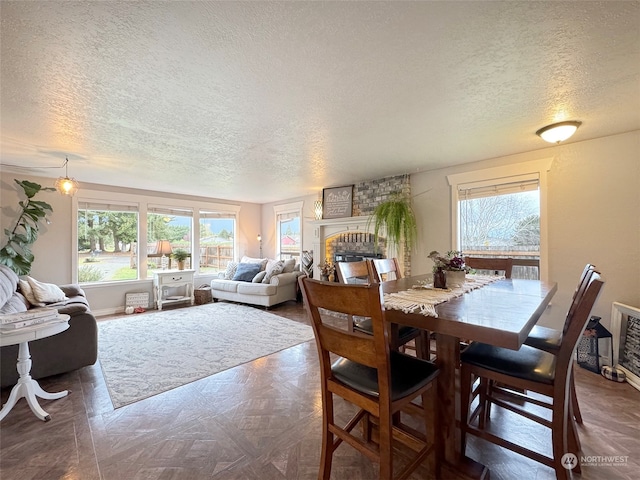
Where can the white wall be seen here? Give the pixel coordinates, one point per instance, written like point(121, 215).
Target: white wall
point(593, 217)
point(54, 249)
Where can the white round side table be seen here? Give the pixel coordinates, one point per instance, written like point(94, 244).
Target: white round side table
point(27, 387)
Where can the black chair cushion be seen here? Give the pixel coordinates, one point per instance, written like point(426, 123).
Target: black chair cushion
point(547, 339)
point(364, 325)
point(528, 363)
point(408, 374)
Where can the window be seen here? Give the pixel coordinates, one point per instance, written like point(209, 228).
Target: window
point(288, 231)
point(107, 238)
point(172, 224)
point(217, 241)
point(499, 212)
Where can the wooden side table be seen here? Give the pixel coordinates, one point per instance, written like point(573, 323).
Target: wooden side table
point(27, 387)
point(166, 282)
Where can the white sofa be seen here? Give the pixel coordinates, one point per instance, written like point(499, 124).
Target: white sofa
point(280, 288)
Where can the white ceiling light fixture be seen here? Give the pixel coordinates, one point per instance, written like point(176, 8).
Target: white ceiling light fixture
point(558, 132)
point(65, 185)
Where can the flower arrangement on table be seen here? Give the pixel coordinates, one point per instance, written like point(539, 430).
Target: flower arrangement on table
point(453, 260)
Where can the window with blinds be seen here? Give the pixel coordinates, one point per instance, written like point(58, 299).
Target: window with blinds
point(288, 231)
point(501, 218)
point(217, 240)
point(168, 223)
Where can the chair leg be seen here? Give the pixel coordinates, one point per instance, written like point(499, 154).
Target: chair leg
point(574, 399)
point(326, 457)
point(465, 398)
point(385, 447)
point(559, 440)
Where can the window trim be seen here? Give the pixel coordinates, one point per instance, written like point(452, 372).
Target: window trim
point(500, 175)
point(283, 209)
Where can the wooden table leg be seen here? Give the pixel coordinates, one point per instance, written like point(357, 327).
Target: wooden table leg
point(454, 465)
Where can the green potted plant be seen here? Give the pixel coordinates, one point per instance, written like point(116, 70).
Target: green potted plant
point(395, 216)
point(180, 255)
point(16, 253)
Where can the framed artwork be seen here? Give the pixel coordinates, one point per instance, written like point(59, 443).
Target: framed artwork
point(337, 202)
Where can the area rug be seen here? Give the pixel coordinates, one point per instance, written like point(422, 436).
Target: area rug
point(146, 354)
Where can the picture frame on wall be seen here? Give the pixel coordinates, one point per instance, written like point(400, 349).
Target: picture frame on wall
point(337, 202)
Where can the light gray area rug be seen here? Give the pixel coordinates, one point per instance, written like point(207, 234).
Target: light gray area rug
point(146, 354)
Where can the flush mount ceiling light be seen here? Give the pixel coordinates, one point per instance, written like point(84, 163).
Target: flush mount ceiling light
point(558, 132)
point(66, 185)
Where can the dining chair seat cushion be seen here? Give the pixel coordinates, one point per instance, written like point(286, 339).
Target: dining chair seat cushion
point(527, 363)
point(408, 374)
point(547, 339)
point(364, 325)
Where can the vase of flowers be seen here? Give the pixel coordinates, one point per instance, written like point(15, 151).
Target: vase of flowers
point(453, 266)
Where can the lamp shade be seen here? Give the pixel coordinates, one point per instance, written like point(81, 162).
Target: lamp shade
point(163, 247)
point(558, 132)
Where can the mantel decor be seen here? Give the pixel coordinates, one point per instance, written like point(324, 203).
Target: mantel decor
point(337, 202)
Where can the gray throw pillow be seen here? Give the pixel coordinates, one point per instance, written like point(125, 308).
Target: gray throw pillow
point(231, 270)
point(246, 271)
point(275, 269)
point(259, 277)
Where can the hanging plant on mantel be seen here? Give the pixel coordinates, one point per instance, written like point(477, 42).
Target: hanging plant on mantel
point(16, 254)
point(395, 216)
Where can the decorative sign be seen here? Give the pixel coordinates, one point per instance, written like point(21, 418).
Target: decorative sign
point(337, 202)
point(137, 299)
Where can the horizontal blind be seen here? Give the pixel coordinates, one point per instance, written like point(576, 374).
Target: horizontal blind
point(229, 215)
point(283, 217)
point(498, 186)
point(175, 211)
point(109, 207)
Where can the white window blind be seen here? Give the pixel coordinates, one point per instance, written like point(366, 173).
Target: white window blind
point(498, 186)
point(107, 207)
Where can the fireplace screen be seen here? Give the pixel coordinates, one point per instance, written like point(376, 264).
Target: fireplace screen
point(625, 327)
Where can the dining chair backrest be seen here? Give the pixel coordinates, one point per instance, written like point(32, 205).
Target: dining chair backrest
point(494, 264)
point(356, 300)
point(382, 267)
point(353, 272)
point(577, 320)
point(583, 282)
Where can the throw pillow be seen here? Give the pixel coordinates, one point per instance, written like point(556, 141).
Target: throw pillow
point(246, 271)
point(259, 277)
point(261, 261)
point(40, 293)
point(275, 269)
point(289, 265)
point(231, 270)
point(25, 289)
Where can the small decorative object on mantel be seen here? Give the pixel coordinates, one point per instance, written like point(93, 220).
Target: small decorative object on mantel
point(326, 271)
point(451, 265)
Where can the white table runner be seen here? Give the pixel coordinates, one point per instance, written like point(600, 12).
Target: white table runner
point(424, 298)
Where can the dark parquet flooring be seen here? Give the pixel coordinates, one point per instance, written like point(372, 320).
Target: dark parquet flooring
point(262, 421)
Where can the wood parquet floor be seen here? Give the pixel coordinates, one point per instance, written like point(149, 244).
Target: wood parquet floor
point(261, 421)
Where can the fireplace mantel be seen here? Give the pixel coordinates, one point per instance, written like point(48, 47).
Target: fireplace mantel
point(323, 229)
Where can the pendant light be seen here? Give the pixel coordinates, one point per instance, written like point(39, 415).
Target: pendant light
point(65, 185)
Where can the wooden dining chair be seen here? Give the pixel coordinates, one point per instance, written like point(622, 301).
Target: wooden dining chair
point(360, 273)
point(383, 267)
point(550, 339)
point(501, 370)
point(493, 264)
point(380, 269)
point(369, 374)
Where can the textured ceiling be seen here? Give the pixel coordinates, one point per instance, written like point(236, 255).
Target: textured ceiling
point(264, 101)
